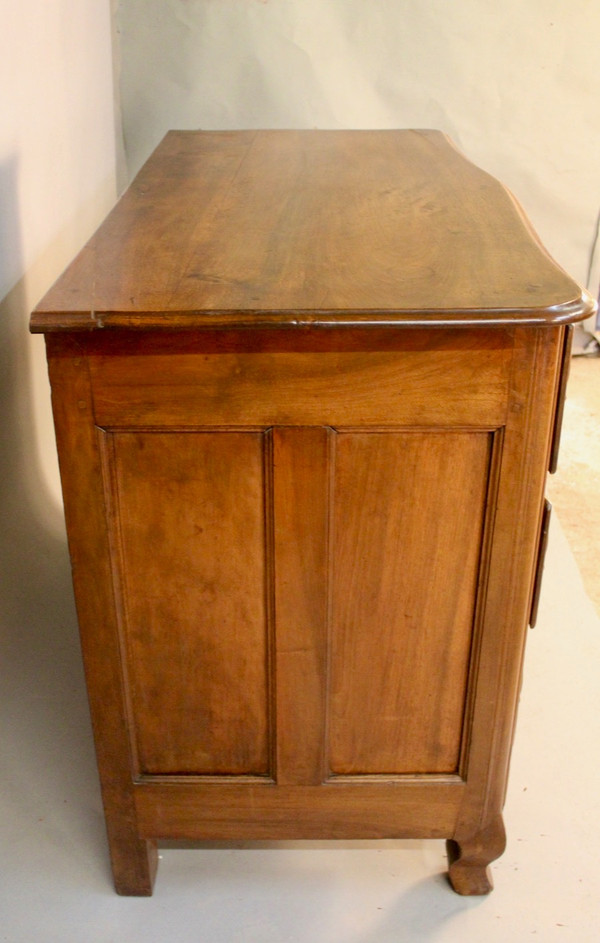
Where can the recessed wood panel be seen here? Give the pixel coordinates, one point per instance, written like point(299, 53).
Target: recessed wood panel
point(189, 522)
point(407, 530)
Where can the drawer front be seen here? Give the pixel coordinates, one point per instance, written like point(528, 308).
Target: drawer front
point(560, 398)
point(456, 379)
point(539, 568)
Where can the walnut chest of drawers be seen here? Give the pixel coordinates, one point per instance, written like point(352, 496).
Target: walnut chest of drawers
point(306, 389)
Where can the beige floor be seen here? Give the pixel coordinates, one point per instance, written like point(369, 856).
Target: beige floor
point(575, 489)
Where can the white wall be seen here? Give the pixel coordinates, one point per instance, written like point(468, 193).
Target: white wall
point(516, 84)
point(57, 180)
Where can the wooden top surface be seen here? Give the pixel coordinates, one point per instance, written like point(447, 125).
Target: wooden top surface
point(310, 227)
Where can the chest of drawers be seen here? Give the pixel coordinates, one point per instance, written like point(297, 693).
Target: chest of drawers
point(306, 389)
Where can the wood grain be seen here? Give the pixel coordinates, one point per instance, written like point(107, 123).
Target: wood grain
point(301, 515)
point(304, 387)
point(190, 524)
point(293, 227)
point(134, 860)
point(414, 809)
point(513, 554)
point(311, 388)
point(408, 512)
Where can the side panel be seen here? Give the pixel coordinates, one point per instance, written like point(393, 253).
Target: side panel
point(408, 515)
point(341, 597)
point(189, 532)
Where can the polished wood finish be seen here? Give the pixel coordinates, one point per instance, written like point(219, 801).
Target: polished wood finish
point(310, 227)
point(302, 475)
point(321, 387)
point(416, 808)
point(399, 524)
point(305, 390)
point(188, 513)
point(468, 860)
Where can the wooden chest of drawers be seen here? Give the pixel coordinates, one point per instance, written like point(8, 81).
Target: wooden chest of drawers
point(306, 389)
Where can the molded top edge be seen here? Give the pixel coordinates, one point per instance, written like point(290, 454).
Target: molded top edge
point(311, 228)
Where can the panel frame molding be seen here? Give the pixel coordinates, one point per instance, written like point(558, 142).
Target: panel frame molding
point(105, 440)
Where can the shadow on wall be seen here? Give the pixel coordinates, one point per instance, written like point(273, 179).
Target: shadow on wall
point(47, 754)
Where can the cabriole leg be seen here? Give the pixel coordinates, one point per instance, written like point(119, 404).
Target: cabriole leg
point(468, 858)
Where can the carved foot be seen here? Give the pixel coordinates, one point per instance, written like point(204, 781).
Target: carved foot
point(468, 859)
